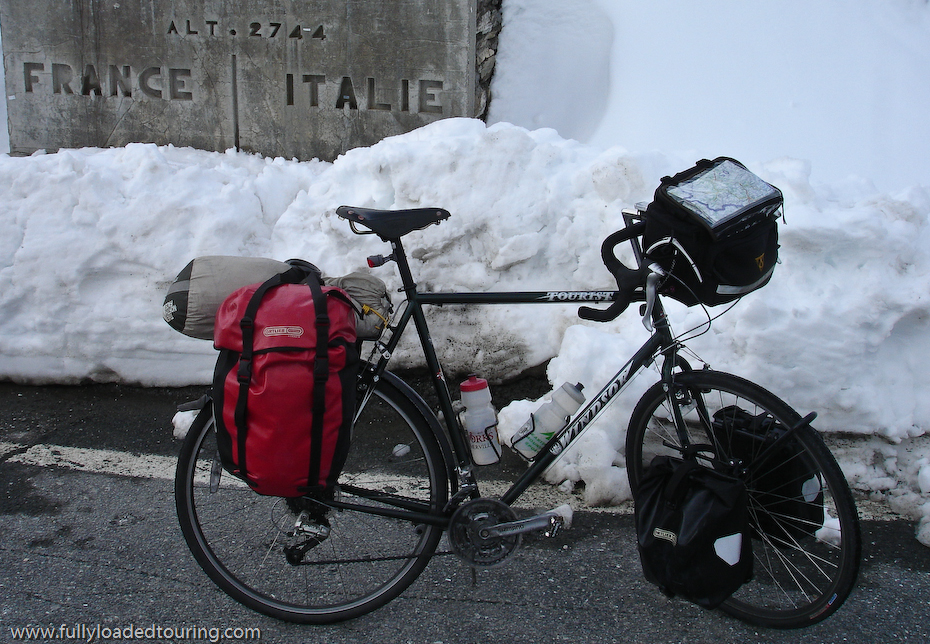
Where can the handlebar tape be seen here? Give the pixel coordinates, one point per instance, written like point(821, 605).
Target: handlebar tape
point(604, 315)
point(628, 279)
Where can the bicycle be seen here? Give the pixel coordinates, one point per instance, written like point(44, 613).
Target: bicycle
point(408, 480)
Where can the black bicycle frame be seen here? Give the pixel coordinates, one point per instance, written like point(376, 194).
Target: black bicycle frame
point(661, 341)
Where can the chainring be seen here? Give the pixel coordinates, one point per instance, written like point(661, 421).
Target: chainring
point(466, 528)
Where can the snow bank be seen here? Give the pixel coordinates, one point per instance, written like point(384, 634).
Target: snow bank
point(90, 240)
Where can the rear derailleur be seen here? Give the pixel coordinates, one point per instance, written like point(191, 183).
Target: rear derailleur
point(310, 529)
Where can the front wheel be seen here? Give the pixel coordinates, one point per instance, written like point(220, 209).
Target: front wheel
point(806, 539)
point(295, 559)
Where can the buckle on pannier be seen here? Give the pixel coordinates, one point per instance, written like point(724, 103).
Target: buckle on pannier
point(244, 374)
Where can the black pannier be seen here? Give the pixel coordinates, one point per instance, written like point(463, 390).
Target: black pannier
point(713, 229)
point(786, 487)
point(692, 528)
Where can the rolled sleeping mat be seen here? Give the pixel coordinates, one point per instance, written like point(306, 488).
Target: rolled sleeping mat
point(197, 292)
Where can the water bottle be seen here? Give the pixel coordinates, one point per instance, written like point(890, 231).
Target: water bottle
point(548, 419)
point(480, 421)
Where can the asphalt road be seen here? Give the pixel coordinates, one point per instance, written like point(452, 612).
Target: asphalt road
point(82, 549)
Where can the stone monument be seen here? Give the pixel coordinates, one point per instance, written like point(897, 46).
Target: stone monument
point(299, 79)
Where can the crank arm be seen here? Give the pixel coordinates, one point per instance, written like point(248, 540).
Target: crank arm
point(550, 522)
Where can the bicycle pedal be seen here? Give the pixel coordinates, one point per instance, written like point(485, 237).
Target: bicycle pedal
point(556, 523)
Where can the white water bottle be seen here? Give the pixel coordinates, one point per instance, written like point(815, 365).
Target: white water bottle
point(548, 419)
point(480, 421)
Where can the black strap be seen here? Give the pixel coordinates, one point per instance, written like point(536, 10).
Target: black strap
point(675, 489)
point(320, 377)
point(247, 324)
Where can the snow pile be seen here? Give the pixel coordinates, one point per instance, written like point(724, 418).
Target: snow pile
point(90, 240)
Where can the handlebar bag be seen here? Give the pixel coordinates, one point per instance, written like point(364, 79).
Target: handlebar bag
point(786, 487)
point(692, 530)
point(713, 229)
point(284, 385)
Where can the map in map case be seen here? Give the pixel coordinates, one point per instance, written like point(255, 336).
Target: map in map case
point(722, 192)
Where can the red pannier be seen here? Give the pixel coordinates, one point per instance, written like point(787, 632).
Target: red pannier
point(284, 386)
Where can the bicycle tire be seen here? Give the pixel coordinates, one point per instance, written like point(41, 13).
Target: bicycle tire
point(239, 537)
point(797, 580)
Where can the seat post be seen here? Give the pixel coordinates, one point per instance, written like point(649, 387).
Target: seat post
point(456, 435)
point(403, 267)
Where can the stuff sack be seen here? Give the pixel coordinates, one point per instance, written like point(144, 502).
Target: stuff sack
point(787, 491)
point(692, 530)
point(284, 385)
point(713, 229)
point(197, 292)
point(371, 301)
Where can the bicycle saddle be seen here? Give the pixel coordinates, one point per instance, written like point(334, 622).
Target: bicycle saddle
point(392, 224)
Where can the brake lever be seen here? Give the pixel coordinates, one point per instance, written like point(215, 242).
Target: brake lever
point(656, 273)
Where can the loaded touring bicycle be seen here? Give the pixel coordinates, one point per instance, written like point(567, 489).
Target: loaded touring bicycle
point(408, 476)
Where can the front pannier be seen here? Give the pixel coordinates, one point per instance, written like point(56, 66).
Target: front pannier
point(713, 229)
point(786, 487)
point(692, 527)
point(284, 386)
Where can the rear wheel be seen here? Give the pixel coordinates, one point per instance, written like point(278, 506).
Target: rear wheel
point(298, 560)
point(803, 518)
